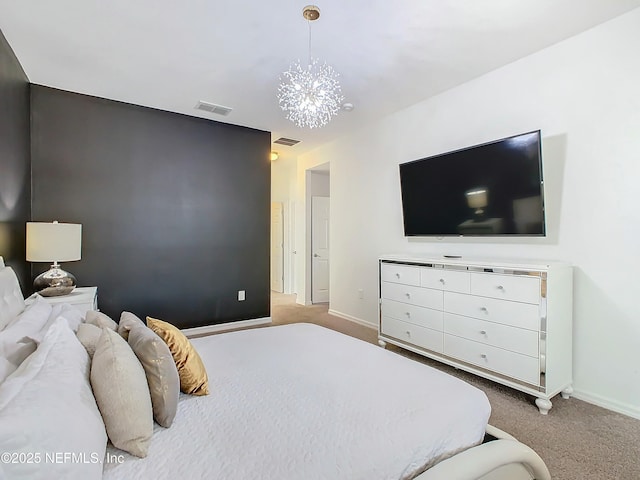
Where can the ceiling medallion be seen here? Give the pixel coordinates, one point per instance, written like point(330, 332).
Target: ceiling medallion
point(311, 95)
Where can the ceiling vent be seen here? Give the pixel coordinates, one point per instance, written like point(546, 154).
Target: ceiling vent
point(213, 108)
point(289, 142)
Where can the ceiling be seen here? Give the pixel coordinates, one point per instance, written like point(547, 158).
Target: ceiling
point(170, 55)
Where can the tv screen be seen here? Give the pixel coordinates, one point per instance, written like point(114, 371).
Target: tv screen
point(491, 189)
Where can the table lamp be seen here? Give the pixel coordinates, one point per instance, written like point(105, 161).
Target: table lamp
point(477, 198)
point(54, 242)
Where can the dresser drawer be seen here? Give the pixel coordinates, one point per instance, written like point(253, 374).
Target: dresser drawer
point(516, 314)
point(423, 297)
point(406, 274)
point(502, 336)
point(449, 280)
point(413, 334)
point(424, 317)
point(506, 287)
point(501, 361)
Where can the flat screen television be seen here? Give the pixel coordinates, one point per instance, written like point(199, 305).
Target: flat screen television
point(492, 189)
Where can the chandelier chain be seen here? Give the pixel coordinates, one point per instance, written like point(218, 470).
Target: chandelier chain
point(309, 25)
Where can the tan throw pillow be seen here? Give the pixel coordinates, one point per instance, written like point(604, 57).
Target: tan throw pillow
point(161, 372)
point(193, 375)
point(89, 335)
point(120, 387)
point(127, 321)
point(101, 320)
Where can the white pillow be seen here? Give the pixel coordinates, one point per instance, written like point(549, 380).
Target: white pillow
point(11, 300)
point(46, 407)
point(72, 315)
point(99, 319)
point(15, 343)
point(7, 367)
point(89, 335)
point(30, 319)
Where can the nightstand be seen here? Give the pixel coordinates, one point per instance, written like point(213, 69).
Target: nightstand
point(82, 298)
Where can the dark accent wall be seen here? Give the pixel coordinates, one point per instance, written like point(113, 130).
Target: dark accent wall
point(175, 210)
point(15, 163)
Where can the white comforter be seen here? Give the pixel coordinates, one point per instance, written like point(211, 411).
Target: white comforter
point(300, 402)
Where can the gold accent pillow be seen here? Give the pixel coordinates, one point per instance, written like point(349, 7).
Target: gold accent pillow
point(193, 375)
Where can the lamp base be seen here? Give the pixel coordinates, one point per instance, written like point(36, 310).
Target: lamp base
point(54, 282)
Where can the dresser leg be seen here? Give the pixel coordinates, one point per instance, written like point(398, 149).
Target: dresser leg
point(566, 393)
point(543, 405)
point(382, 343)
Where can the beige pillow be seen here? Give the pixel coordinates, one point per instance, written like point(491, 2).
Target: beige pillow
point(127, 321)
point(193, 375)
point(99, 319)
point(161, 372)
point(120, 387)
point(89, 335)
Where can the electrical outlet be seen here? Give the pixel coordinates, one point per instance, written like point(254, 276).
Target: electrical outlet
point(360, 293)
point(241, 295)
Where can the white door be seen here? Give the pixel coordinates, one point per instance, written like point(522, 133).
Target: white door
point(277, 254)
point(319, 249)
point(293, 248)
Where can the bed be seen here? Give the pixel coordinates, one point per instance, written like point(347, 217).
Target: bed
point(286, 402)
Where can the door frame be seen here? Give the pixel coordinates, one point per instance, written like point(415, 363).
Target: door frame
point(280, 207)
point(311, 188)
point(315, 249)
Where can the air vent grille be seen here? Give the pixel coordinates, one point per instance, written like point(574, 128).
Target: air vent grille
point(213, 108)
point(289, 142)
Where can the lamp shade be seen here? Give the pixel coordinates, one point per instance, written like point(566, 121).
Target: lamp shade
point(477, 198)
point(54, 242)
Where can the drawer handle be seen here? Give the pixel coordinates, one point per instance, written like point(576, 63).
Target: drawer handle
point(483, 355)
point(483, 332)
point(397, 275)
point(408, 333)
point(484, 309)
point(442, 281)
point(500, 287)
point(408, 295)
point(408, 314)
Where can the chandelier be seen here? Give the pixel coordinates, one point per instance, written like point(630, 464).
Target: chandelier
point(311, 95)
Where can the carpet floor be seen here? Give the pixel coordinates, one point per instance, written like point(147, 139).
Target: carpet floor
point(577, 440)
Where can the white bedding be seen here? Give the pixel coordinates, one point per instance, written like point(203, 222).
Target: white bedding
point(303, 402)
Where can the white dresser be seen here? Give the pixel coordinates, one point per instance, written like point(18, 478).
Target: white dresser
point(510, 322)
point(81, 298)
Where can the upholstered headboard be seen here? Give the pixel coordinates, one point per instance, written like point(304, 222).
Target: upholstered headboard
point(11, 299)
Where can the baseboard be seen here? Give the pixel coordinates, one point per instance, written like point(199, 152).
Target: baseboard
point(222, 327)
point(604, 402)
point(353, 319)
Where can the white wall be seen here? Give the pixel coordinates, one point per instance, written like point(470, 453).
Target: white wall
point(283, 190)
point(584, 94)
point(283, 175)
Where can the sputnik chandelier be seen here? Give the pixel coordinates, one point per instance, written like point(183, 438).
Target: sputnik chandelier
point(310, 95)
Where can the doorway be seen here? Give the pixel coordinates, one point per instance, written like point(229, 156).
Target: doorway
point(277, 247)
point(320, 249)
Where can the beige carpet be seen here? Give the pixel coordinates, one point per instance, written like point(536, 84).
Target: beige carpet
point(577, 440)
